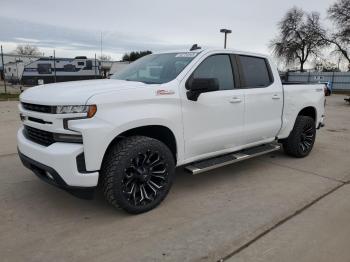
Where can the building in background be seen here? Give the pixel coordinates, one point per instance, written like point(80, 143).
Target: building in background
point(13, 71)
point(13, 67)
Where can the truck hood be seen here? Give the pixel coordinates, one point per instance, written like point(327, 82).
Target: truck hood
point(74, 93)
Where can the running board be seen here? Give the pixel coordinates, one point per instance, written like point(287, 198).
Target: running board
point(212, 163)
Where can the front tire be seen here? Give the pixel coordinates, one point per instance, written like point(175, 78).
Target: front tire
point(137, 174)
point(302, 138)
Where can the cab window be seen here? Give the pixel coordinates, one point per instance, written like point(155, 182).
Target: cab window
point(219, 67)
point(255, 72)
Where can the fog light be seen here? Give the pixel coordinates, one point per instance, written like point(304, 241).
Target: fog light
point(68, 138)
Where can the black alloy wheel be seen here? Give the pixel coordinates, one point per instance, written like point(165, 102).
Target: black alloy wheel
point(144, 179)
point(307, 138)
point(137, 173)
point(302, 138)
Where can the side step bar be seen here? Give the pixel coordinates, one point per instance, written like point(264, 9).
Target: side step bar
point(212, 163)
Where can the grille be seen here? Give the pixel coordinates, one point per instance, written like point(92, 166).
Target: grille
point(39, 108)
point(39, 136)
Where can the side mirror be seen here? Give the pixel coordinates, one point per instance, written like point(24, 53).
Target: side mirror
point(196, 86)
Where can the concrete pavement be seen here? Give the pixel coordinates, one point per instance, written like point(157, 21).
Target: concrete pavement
point(321, 234)
point(227, 213)
point(9, 123)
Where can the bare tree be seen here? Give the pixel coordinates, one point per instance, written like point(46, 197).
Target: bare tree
point(300, 36)
point(27, 50)
point(339, 13)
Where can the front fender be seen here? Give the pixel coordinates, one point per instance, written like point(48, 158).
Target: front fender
point(114, 118)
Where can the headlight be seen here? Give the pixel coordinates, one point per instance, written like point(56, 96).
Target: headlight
point(89, 110)
point(71, 109)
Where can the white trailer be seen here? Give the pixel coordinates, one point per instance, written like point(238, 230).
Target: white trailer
point(60, 70)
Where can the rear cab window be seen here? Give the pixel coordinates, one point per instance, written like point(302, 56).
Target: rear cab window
point(255, 72)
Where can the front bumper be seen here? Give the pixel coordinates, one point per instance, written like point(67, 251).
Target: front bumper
point(56, 164)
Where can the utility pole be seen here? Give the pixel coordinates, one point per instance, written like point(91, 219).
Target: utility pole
point(3, 68)
point(54, 64)
point(226, 32)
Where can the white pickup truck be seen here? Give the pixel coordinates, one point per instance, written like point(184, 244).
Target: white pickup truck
point(198, 109)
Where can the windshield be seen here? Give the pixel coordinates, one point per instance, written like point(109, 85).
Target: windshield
point(156, 69)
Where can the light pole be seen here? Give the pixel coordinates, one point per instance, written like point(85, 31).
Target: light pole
point(225, 31)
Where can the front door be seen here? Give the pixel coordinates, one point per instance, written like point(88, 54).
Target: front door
point(214, 123)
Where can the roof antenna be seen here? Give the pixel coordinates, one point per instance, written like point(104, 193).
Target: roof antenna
point(195, 47)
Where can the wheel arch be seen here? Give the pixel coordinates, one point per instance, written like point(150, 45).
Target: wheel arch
point(309, 111)
point(159, 132)
point(289, 120)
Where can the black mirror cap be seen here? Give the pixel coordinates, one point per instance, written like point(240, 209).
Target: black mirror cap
point(196, 86)
point(203, 84)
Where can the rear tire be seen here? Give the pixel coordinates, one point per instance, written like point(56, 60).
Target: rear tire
point(302, 138)
point(137, 174)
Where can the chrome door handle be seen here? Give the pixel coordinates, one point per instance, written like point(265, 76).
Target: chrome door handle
point(276, 97)
point(235, 100)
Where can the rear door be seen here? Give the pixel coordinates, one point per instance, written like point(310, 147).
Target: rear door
point(263, 99)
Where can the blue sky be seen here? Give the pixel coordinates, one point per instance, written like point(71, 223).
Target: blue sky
point(74, 27)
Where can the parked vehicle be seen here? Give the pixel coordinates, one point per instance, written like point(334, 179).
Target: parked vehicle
point(328, 87)
point(60, 70)
point(200, 109)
